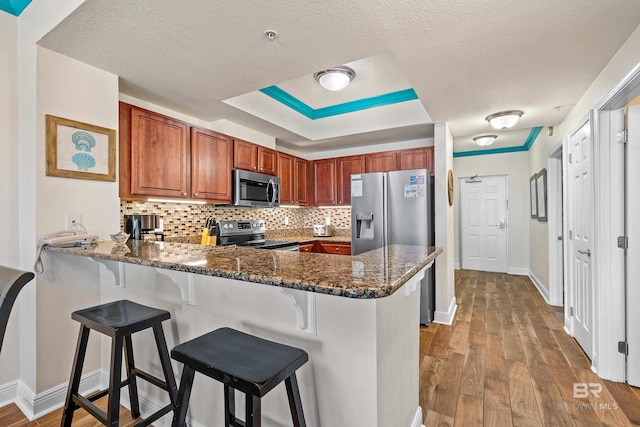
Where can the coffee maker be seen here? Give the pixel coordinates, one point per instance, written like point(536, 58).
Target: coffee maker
point(139, 225)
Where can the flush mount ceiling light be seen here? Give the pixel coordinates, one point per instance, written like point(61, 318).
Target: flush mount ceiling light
point(504, 119)
point(484, 140)
point(335, 78)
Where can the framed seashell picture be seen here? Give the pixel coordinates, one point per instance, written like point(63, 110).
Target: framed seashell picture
point(80, 150)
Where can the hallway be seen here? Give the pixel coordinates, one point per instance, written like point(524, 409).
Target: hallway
point(506, 360)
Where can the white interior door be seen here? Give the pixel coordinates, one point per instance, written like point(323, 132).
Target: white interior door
point(633, 251)
point(483, 223)
point(581, 236)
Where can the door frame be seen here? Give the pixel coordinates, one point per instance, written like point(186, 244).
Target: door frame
point(557, 255)
point(610, 304)
point(461, 179)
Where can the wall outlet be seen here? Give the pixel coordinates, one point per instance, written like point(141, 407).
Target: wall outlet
point(286, 220)
point(72, 219)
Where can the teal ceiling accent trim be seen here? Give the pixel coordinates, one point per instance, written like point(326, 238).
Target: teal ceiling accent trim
point(14, 7)
point(532, 137)
point(525, 147)
point(344, 108)
point(284, 98)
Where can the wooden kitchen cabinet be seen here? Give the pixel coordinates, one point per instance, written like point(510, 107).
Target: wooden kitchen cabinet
point(154, 154)
point(163, 157)
point(416, 158)
point(324, 178)
point(332, 248)
point(306, 247)
point(302, 174)
point(345, 166)
point(294, 179)
point(253, 157)
point(211, 164)
point(381, 162)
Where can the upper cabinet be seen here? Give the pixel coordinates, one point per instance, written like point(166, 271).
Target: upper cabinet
point(345, 166)
point(154, 154)
point(324, 178)
point(253, 157)
point(294, 179)
point(381, 162)
point(416, 158)
point(211, 155)
point(164, 157)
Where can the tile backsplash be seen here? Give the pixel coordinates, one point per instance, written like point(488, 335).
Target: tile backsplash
point(183, 219)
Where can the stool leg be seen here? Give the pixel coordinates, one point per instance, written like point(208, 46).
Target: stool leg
point(165, 361)
point(182, 400)
point(76, 374)
point(113, 408)
point(133, 384)
point(295, 404)
point(253, 413)
point(229, 406)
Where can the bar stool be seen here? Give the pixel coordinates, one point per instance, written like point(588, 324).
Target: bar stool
point(119, 320)
point(241, 362)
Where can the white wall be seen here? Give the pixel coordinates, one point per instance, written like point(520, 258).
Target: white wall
point(516, 167)
point(73, 90)
point(8, 183)
point(445, 284)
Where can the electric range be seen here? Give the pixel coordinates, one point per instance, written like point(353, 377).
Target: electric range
point(250, 233)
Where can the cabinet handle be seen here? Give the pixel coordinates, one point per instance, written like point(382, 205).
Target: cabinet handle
point(184, 194)
point(196, 194)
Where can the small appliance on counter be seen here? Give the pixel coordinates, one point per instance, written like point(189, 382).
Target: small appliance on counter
point(322, 230)
point(139, 225)
point(250, 233)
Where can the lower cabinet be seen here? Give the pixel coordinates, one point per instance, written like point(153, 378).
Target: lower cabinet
point(322, 247)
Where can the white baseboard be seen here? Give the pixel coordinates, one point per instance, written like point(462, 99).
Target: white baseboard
point(544, 292)
point(8, 393)
point(518, 271)
point(456, 266)
point(417, 420)
point(446, 318)
point(36, 405)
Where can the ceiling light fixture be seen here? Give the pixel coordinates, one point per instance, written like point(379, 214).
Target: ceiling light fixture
point(504, 119)
point(484, 140)
point(335, 78)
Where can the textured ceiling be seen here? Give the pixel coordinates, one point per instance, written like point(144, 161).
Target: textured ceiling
point(464, 58)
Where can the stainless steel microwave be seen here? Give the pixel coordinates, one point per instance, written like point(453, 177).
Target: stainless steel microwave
point(252, 189)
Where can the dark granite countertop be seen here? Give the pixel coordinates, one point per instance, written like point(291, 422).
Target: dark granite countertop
point(374, 274)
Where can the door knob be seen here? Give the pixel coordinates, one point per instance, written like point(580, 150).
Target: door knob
point(502, 223)
point(587, 252)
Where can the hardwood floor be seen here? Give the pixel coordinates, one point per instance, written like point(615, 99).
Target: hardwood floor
point(506, 361)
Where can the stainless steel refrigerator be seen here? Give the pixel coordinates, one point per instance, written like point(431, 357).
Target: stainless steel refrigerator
point(395, 208)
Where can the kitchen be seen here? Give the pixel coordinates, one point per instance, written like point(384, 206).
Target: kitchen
point(47, 88)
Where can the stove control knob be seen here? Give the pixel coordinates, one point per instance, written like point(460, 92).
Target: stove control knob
point(261, 224)
point(225, 226)
point(230, 225)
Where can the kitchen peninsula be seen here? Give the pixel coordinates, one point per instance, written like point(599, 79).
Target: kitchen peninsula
point(356, 316)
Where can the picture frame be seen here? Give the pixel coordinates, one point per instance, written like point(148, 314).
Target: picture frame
point(79, 150)
point(541, 190)
point(533, 195)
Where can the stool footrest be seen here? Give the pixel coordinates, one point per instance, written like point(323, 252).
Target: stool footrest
point(150, 378)
point(88, 406)
point(155, 416)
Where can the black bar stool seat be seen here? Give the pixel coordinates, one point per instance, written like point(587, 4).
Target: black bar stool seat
point(241, 362)
point(119, 320)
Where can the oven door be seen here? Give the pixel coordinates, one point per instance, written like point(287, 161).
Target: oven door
point(252, 189)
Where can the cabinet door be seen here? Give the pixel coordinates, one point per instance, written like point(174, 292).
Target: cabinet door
point(267, 160)
point(159, 155)
point(245, 155)
point(301, 187)
point(345, 166)
point(287, 178)
point(381, 162)
point(324, 178)
point(211, 163)
point(416, 158)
